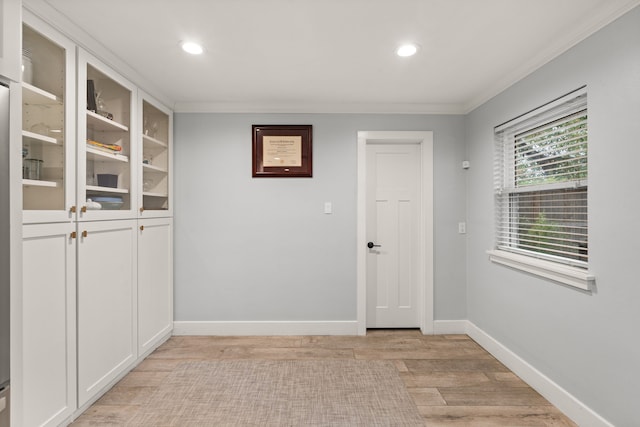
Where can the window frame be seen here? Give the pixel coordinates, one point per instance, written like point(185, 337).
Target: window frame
point(565, 270)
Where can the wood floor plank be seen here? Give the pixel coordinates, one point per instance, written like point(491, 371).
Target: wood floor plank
point(445, 379)
point(376, 342)
point(420, 354)
point(426, 396)
point(228, 341)
point(492, 395)
point(464, 365)
point(125, 396)
point(511, 416)
point(281, 353)
point(106, 415)
point(143, 379)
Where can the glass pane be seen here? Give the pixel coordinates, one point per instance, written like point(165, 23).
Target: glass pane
point(551, 222)
point(155, 158)
point(555, 152)
point(43, 144)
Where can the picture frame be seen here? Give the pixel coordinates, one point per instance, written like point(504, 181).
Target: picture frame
point(282, 151)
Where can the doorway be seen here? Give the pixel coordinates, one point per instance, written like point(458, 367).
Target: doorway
point(395, 204)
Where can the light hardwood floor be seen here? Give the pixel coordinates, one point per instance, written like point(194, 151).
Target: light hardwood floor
point(453, 381)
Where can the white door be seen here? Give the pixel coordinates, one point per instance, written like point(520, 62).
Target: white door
point(393, 233)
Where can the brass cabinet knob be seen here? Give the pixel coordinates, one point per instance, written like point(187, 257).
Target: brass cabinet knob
point(141, 209)
point(84, 233)
point(73, 234)
point(83, 209)
point(142, 228)
point(72, 209)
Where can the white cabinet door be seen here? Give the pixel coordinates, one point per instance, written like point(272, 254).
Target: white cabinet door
point(107, 324)
point(48, 125)
point(155, 282)
point(49, 321)
point(107, 155)
point(10, 19)
point(155, 158)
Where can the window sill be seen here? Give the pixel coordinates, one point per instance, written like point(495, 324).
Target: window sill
point(565, 274)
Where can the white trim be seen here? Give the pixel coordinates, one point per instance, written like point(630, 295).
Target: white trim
point(249, 328)
point(565, 274)
point(450, 327)
point(425, 291)
point(317, 108)
point(580, 413)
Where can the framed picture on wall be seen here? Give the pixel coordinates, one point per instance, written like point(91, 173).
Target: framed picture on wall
point(282, 151)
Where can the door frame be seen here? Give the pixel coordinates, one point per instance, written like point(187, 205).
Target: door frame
point(425, 277)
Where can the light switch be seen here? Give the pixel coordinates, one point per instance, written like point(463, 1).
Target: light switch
point(328, 208)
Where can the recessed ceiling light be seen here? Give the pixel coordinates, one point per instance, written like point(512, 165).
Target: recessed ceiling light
point(407, 49)
point(192, 48)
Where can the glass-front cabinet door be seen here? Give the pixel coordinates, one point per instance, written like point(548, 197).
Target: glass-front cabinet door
point(155, 141)
point(107, 152)
point(48, 157)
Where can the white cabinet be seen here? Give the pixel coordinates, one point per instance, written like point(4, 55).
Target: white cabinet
point(107, 300)
point(155, 282)
point(155, 142)
point(107, 151)
point(48, 110)
point(98, 280)
point(48, 324)
point(10, 39)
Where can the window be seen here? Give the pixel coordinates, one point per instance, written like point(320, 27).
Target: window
point(541, 187)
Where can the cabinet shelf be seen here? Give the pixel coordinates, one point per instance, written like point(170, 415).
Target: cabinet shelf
point(94, 154)
point(152, 194)
point(98, 189)
point(39, 183)
point(153, 169)
point(97, 122)
point(38, 138)
point(150, 142)
point(35, 96)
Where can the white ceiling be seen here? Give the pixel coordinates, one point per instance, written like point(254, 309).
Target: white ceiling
point(332, 55)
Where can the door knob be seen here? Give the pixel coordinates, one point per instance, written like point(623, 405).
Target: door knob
point(371, 245)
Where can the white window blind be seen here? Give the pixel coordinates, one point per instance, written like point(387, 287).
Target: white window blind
point(541, 182)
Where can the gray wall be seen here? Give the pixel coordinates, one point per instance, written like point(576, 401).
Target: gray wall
point(587, 343)
point(262, 249)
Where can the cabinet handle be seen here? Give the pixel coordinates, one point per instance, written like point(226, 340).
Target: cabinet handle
point(73, 234)
point(73, 209)
point(84, 233)
point(142, 228)
point(141, 209)
point(83, 209)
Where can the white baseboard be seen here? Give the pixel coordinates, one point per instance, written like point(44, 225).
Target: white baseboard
point(559, 397)
point(247, 328)
point(447, 327)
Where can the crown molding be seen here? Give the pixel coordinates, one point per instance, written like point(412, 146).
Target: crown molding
point(317, 108)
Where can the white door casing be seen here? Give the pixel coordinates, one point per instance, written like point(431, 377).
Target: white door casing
point(425, 223)
point(393, 209)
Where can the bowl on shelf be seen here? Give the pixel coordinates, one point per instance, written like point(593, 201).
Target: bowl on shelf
point(108, 202)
